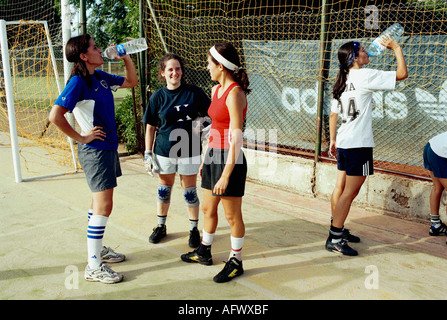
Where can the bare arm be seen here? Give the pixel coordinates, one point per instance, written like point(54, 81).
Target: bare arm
point(333, 117)
point(131, 79)
point(402, 71)
point(149, 137)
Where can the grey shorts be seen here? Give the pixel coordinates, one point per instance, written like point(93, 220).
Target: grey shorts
point(101, 167)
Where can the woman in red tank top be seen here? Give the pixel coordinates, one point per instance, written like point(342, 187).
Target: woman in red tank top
point(224, 169)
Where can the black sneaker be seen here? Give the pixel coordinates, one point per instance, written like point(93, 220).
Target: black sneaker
point(233, 268)
point(194, 257)
point(158, 234)
point(194, 238)
point(340, 247)
point(441, 230)
point(350, 237)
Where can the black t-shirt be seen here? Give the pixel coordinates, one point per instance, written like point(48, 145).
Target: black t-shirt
point(173, 112)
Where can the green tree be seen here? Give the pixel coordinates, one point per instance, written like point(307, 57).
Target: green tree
point(110, 21)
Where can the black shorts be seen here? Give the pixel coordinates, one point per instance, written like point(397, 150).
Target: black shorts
point(213, 165)
point(355, 161)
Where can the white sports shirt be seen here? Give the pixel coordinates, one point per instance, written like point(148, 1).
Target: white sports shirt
point(355, 106)
point(439, 144)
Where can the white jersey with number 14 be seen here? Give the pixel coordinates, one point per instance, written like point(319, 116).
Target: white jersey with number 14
point(355, 106)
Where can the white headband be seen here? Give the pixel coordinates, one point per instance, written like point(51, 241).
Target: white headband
point(227, 64)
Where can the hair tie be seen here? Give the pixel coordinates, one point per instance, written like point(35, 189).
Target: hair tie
point(352, 55)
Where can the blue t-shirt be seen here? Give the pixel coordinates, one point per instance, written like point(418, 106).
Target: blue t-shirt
point(93, 106)
point(173, 112)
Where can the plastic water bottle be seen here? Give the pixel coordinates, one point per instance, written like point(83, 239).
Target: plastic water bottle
point(395, 31)
point(129, 47)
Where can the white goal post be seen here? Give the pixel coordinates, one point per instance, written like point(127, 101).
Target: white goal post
point(9, 93)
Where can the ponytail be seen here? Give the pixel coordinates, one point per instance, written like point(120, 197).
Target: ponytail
point(340, 83)
point(346, 56)
point(241, 78)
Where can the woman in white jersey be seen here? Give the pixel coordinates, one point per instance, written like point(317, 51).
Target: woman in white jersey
point(435, 161)
point(353, 144)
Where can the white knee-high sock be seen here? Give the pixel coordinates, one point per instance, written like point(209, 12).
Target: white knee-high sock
point(90, 213)
point(95, 233)
point(236, 248)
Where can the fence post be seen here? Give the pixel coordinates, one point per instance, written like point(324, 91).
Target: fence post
point(324, 58)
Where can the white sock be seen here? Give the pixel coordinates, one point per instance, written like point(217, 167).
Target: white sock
point(95, 233)
point(236, 247)
point(207, 238)
point(90, 213)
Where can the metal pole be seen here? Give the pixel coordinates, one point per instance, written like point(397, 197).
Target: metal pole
point(324, 58)
point(83, 16)
point(66, 35)
point(142, 57)
point(10, 102)
point(142, 64)
point(157, 26)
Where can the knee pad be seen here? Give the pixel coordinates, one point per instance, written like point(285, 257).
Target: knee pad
point(190, 195)
point(164, 193)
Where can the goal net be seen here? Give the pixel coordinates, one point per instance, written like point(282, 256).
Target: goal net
point(30, 83)
point(289, 49)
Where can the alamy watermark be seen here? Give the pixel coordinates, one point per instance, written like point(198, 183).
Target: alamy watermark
point(372, 17)
point(372, 280)
point(72, 278)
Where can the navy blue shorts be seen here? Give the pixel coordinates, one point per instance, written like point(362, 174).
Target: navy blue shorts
point(355, 161)
point(435, 163)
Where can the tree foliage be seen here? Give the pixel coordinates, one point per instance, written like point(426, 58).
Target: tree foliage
point(110, 21)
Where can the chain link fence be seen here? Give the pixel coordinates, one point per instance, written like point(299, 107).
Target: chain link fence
point(290, 53)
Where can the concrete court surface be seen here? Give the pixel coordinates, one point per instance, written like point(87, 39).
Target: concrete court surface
point(43, 246)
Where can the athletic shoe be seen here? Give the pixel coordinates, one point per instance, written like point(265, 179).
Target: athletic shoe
point(441, 230)
point(233, 268)
point(194, 238)
point(193, 256)
point(102, 274)
point(158, 234)
point(350, 237)
point(110, 256)
point(340, 247)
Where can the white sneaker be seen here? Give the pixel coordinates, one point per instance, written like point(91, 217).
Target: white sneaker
point(110, 256)
point(102, 274)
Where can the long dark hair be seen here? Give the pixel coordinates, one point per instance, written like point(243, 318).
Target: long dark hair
point(73, 49)
point(229, 52)
point(346, 56)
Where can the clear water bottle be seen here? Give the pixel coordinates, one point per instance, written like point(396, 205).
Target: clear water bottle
point(129, 47)
point(395, 31)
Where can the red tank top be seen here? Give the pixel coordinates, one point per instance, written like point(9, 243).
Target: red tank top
point(220, 135)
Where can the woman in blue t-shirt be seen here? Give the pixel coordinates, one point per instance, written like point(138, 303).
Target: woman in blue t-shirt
point(88, 95)
point(173, 142)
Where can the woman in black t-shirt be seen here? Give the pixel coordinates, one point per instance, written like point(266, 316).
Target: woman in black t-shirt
point(173, 119)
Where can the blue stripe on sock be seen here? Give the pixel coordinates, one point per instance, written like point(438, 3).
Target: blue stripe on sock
point(95, 232)
point(94, 237)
